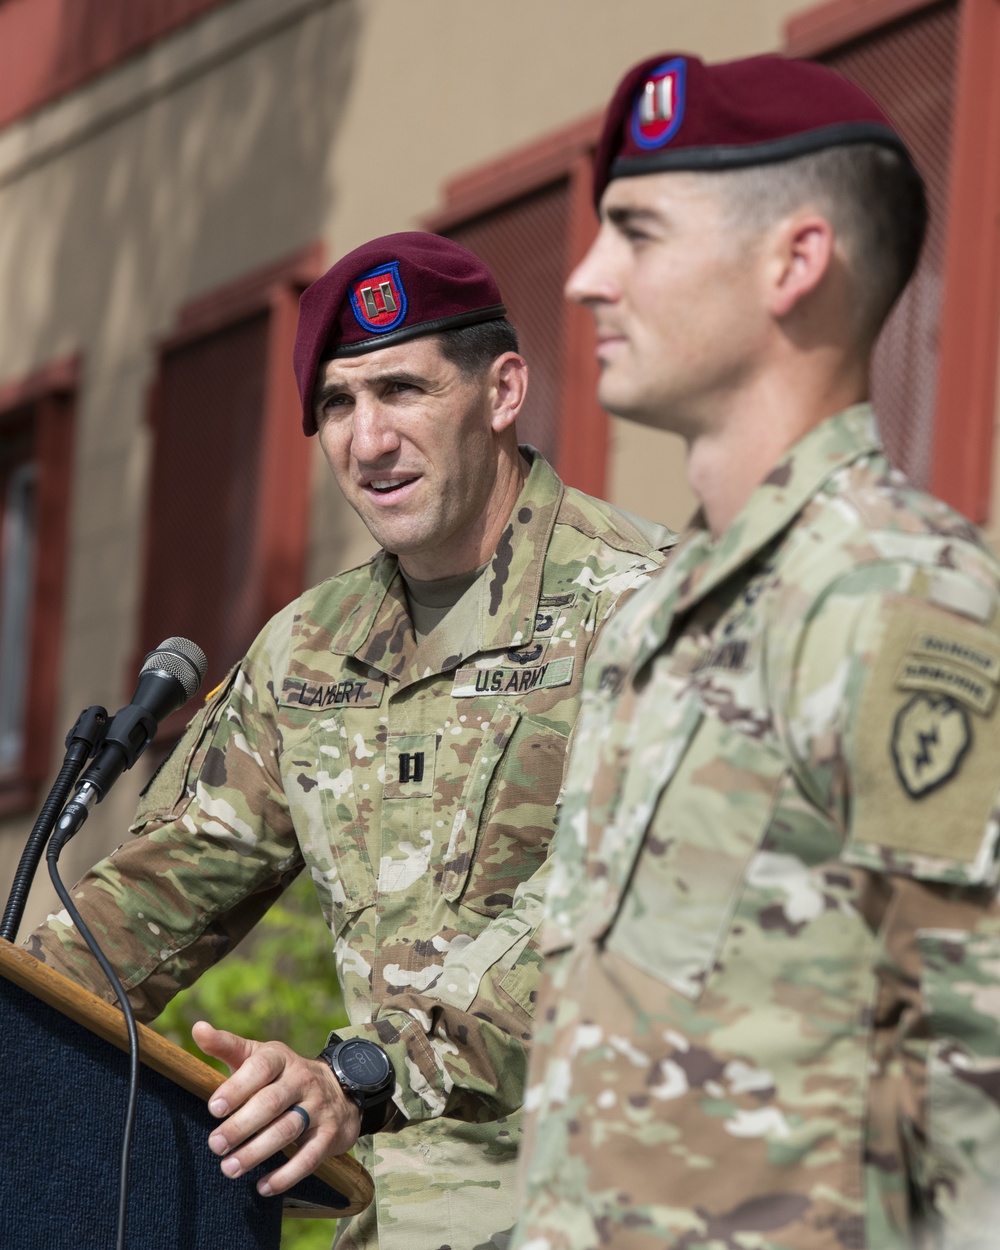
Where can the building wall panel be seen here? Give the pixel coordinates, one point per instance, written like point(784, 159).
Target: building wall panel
point(51, 47)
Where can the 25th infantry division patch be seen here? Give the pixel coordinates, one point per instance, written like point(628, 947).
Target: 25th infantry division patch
point(930, 737)
point(924, 749)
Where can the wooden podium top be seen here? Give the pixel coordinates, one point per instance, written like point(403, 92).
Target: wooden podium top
point(342, 1172)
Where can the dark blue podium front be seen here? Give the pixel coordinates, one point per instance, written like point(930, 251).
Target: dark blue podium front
point(62, 1100)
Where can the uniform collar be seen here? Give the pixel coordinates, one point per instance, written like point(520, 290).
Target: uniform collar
point(379, 633)
point(700, 565)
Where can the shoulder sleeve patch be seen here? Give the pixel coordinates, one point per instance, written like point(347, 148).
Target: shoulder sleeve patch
point(167, 791)
point(924, 748)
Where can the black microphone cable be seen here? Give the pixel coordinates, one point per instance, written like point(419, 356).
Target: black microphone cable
point(169, 676)
point(125, 1158)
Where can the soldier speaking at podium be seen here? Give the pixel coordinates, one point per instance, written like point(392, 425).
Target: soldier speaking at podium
point(401, 731)
point(770, 1015)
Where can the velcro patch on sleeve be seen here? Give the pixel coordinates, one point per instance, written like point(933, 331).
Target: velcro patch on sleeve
point(925, 743)
point(510, 680)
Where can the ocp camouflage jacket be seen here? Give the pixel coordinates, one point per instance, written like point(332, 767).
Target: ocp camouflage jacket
point(418, 784)
point(771, 1015)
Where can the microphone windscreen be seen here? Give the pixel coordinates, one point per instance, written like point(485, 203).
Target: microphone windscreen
point(182, 659)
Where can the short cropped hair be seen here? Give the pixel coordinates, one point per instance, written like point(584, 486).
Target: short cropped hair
point(873, 198)
point(474, 348)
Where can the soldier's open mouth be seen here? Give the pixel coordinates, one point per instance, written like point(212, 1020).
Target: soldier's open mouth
point(386, 488)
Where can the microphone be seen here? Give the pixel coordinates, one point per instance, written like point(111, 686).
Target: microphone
point(169, 676)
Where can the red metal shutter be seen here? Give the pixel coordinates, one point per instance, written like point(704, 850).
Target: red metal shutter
point(909, 67)
point(525, 243)
point(201, 579)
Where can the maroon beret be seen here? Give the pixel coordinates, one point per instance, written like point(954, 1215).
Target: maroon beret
point(385, 292)
point(673, 111)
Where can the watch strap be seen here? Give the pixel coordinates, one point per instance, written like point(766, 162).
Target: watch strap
point(373, 1117)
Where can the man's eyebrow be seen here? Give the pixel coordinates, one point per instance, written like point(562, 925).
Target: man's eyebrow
point(333, 387)
point(623, 215)
point(398, 375)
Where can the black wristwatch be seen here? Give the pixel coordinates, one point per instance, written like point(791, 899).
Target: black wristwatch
point(365, 1075)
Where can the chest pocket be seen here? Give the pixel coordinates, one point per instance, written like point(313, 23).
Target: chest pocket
point(501, 831)
point(332, 802)
point(706, 826)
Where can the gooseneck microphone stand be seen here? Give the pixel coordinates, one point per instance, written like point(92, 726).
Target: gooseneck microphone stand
point(82, 742)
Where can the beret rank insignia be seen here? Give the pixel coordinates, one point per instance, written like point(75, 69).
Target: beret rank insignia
point(378, 299)
point(659, 105)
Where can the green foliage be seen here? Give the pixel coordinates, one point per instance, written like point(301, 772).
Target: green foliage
point(280, 983)
point(307, 1234)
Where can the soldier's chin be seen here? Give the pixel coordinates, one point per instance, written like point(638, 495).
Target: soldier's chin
point(627, 405)
point(401, 545)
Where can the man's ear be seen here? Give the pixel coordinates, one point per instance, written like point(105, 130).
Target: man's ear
point(802, 254)
point(509, 390)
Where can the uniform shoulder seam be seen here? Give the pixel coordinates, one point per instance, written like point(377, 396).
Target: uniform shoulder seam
point(605, 522)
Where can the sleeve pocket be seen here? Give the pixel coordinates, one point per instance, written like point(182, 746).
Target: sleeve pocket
point(521, 982)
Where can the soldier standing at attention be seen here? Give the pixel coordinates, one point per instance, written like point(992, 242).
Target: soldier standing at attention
point(401, 731)
point(769, 1015)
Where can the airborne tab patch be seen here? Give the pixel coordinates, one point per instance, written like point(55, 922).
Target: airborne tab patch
point(916, 673)
point(965, 667)
point(504, 680)
point(351, 692)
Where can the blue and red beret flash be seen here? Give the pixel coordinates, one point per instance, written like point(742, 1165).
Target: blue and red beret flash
point(674, 112)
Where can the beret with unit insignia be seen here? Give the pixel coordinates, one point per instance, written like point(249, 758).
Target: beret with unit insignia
point(674, 112)
point(387, 291)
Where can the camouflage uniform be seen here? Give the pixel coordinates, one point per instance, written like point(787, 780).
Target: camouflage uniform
point(772, 946)
point(418, 785)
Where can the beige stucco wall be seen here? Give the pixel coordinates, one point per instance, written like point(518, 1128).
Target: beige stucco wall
point(265, 126)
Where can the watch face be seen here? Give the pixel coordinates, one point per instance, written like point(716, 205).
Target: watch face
point(365, 1065)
